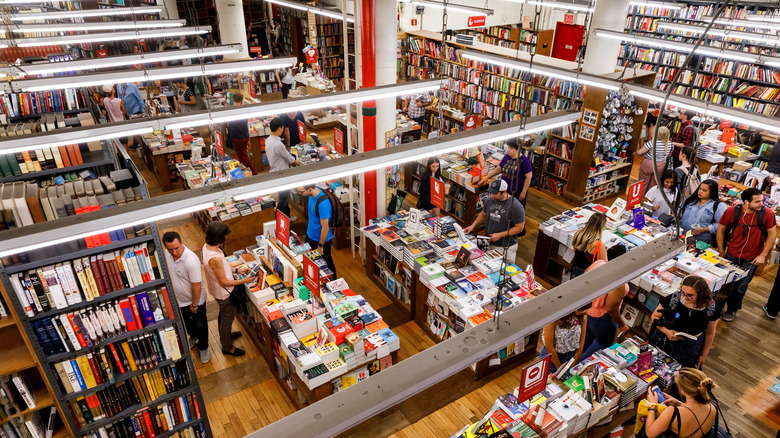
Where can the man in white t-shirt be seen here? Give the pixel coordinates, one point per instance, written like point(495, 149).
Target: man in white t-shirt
point(184, 267)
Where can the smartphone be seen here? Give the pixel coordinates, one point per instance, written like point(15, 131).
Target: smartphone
point(660, 394)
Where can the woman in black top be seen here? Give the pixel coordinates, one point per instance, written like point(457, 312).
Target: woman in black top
point(691, 417)
point(692, 311)
point(432, 169)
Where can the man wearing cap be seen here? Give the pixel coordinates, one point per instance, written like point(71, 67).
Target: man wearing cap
point(505, 219)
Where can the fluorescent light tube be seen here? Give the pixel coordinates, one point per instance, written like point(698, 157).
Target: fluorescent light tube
point(115, 61)
point(754, 23)
point(314, 10)
point(698, 30)
point(557, 5)
point(151, 74)
point(106, 36)
point(108, 133)
point(21, 16)
point(656, 4)
point(65, 239)
point(87, 27)
point(451, 7)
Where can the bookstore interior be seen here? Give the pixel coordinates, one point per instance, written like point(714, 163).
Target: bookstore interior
point(279, 218)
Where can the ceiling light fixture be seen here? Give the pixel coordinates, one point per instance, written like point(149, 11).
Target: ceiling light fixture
point(558, 5)
point(751, 23)
point(314, 10)
point(106, 36)
point(698, 30)
point(450, 7)
point(652, 4)
point(22, 16)
point(88, 27)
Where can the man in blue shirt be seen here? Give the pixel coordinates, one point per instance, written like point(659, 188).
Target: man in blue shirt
point(134, 103)
point(318, 233)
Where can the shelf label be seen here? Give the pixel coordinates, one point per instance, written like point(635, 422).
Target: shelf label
point(311, 275)
point(476, 21)
point(470, 122)
point(338, 139)
point(282, 228)
point(437, 193)
point(634, 194)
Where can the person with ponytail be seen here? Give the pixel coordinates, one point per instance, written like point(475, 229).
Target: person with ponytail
point(587, 244)
point(692, 417)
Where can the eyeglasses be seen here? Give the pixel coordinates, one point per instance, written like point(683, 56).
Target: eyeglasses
point(688, 296)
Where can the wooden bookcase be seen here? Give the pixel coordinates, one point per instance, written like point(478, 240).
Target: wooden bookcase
point(511, 37)
point(408, 280)
point(330, 45)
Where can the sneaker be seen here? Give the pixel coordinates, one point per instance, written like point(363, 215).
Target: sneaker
point(768, 315)
point(729, 316)
point(193, 342)
point(205, 356)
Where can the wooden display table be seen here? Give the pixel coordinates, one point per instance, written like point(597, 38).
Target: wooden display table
point(163, 165)
point(243, 229)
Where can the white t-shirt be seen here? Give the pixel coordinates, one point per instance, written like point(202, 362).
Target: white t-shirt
point(655, 197)
point(184, 272)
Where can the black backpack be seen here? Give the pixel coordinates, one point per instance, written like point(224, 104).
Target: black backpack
point(734, 223)
point(337, 217)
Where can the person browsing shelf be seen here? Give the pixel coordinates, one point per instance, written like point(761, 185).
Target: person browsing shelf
point(504, 218)
point(219, 278)
point(115, 107)
point(284, 78)
point(662, 149)
point(131, 96)
point(701, 212)
point(292, 135)
point(238, 131)
point(587, 244)
point(414, 107)
point(688, 175)
point(564, 339)
point(656, 199)
point(185, 98)
point(693, 417)
point(515, 169)
point(184, 268)
point(319, 236)
point(772, 306)
point(432, 169)
point(685, 136)
point(279, 158)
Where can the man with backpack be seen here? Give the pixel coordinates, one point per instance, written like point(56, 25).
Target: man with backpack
point(747, 233)
point(324, 212)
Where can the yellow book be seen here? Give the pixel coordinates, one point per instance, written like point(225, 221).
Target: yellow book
point(150, 387)
point(86, 371)
point(129, 354)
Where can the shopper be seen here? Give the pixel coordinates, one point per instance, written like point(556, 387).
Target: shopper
point(656, 199)
point(774, 159)
point(219, 278)
point(587, 244)
point(515, 169)
point(238, 131)
point(504, 219)
point(115, 107)
point(565, 338)
point(319, 236)
point(415, 105)
point(131, 96)
point(284, 78)
point(693, 417)
point(184, 268)
point(662, 150)
point(604, 320)
point(701, 212)
point(185, 98)
point(292, 134)
point(432, 169)
point(690, 311)
point(279, 158)
point(686, 136)
point(277, 36)
point(687, 178)
point(772, 306)
point(747, 232)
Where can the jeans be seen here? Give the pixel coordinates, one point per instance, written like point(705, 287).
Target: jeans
point(599, 334)
point(197, 325)
point(325, 253)
point(773, 303)
point(738, 291)
point(419, 120)
point(563, 357)
point(284, 202)
point(285, 90)
point(227, 313)
point(240, 145)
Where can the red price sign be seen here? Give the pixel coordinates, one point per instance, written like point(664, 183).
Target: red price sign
point(634, 194)
point(311, 275)
point(338, 139)
point(311, 56)
point(534, 379)
point(282, 228)
point(252, 91)
point(470, 122)
point(220, 144)
point(255, 49)
point(301, 131)
point(437, 193)
point(476, 21)
point(568, 19)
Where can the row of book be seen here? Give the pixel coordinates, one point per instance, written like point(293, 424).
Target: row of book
point(161, 421)
point(757, 91)
point(37, 160)
point(639, 23)
point(561, 148)
point(138, 353)
point(757, 73)
point(16, 395)
point(329, 41)
point(553, 185)
point(89, 327)
point(557, 167)
point(38, 424)
point(39, 102)
point(64, 284)
point(649, 10)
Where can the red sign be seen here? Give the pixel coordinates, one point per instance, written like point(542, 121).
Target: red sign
point(534, 379)
point(634, 194)
point(220, 144)
point(311, 56)
point(311, 275)
point(252, 91)
point(568, 18)
point(338, 139)
point(301, 131)
point(282, 228)
point(470, 122)
point(437, 193)
point(476, 21)
point(414, 22)
point(255, 49)
point(102, 53)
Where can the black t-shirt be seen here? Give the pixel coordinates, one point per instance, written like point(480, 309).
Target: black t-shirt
point(292, 125)
point(690, 321)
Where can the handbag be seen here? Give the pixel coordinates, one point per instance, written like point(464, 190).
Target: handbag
point(717, 431)
point(239, 297)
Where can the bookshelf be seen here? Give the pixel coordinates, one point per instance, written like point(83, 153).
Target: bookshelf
point(330, 46)
point(511, 37)
point(397, 271)
point(123, 356)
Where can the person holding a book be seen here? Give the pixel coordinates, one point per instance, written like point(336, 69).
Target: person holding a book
point(587, 244)
point(702, 211)
point(279, 158)
point(319, 236)
point(504, 218)
point(656, 199)
point(564, 339)
point(686, 321)
point(219, 279)
point(184, 270)
point(516, 169)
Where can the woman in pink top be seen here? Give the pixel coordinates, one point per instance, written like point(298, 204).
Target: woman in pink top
point(115, 107)
point(220, 282)
point(604, 319)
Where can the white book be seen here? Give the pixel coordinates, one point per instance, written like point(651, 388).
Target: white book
point(105, 321)
point(74, 381)
point(71, 334)
point(173, 343)
point(7, 201)
point(184, 408)
point(51, 422)
point(167, 413)
point(166, 348)
point(148, 259)
point(72, 283)
point(114, 318)
point(133, 263)
point(88, 325)
point(60, 293)
point(35, 425)
point(21, 204)
point(24, 390)
point(126, 265)
point(16, 281)
point(120, 317)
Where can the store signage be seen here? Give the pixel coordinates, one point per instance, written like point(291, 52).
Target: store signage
point(338, 139)
point(534, 379)
point(220, 144)
point(311, 275)
point(255, 49)
point(437, 193)
point(252, 91)
point(634, 194)
point(476, 21)
point(470, 122)
point(568, 19)
point(102, 53)
point(311, 56)
point(301, 131)
point(414, 22)
point(282, 228)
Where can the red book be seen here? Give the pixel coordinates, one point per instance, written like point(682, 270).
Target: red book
point(195, 402)
point(76, 330)
point(139, 255)
point(103, 274)
point(136, 313)
point(148, 422)
point(182, 417)
point(113, 272)
point(64, 154)
point(95, 368)
point(103, 289)
point(166, 301)
point(127, 314)
point(117, 359)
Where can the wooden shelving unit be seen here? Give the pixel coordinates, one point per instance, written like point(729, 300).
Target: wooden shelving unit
point(468, 205)
point(409, 283)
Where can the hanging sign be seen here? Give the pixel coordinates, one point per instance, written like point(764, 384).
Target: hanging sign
point(252, 91)
point(282, 228)
point(311, 56)
point(255, 49)
point(301, 132)
point(437, 193)
point(634, 194)
point(534, 379)
point(220, 144)
point(311, 275)
point(338, 139)
point(568, 19)
point(102, 53)
point(476, 21)
point(470, 122)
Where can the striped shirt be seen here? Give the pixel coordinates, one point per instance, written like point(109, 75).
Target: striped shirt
point(661, 152)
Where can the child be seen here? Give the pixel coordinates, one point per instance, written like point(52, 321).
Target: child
point(654, 197)
point(564, 339)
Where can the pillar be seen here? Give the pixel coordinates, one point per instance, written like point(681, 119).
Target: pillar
point(170, 11)
point(385, 35)
point(232, 29)
point(369, 131)
point(602, 53)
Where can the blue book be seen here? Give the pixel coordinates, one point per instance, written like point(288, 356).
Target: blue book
point(43, 337)
point(77, 372)
point(145, 308)
point(186, 408)
point(57, 345)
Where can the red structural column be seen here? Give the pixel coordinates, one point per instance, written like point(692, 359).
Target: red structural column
point(368, 48)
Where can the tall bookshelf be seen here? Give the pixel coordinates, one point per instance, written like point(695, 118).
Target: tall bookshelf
point(511, 37)
point(156, 354)
point(330, 46)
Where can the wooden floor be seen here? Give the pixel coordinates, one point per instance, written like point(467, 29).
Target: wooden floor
point(242, 396)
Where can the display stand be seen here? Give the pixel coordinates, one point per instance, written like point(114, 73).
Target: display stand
point(163, 164)
point(410, 282)
point(469, 204)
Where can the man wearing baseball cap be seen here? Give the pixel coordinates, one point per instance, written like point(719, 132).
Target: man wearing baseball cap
point(505, 219)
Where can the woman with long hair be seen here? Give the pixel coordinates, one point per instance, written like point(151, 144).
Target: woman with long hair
point(662, 150)
point(565, 338)
point(702, 211)
point(432, 169)
point(692, 417)
point(587, 244)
